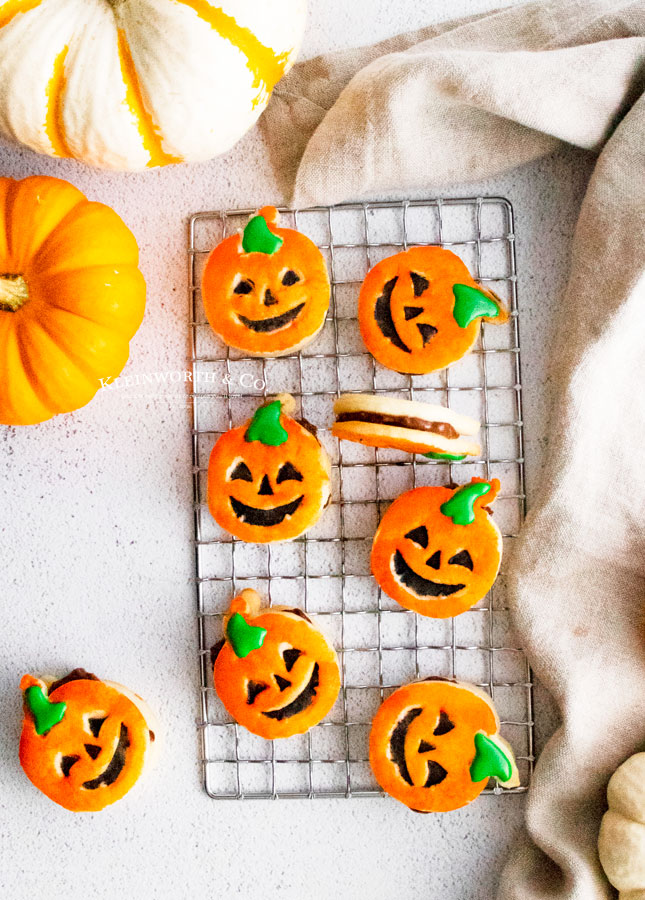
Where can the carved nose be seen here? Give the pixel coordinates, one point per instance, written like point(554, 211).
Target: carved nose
point(282, 683)
point(434, 561)
point(265, 488)
point(92, 750)
point(269, 299)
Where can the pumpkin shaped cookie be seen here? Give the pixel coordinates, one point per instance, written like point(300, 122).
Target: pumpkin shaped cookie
point(268, 480)
point(437, 550)
point(275, 672)
point(434, 744)
point(420, 310)
point(84, 742)
point(266, 292)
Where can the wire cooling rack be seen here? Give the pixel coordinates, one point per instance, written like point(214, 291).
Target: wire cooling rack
point(326, 572)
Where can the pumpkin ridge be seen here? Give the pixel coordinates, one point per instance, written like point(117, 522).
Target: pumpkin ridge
point(134, 98)
point(84, 366)
point(32, 379)
point(13, 7)
point(53, 304)
point(54, 126)
point(266, 67)
point(21, 193)
point(38, 384)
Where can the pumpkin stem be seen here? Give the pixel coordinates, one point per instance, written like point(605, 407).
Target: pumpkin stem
point(14, 292)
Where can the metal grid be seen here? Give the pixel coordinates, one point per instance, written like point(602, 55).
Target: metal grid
point(326, 572)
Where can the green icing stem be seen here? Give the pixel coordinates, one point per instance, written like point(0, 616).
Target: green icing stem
point(46, 714)
point(266, 426)
point(244, 637)
point(461, 506)
point(470, 304)
point(258, 238)
point(450, 456)
point(490, 761)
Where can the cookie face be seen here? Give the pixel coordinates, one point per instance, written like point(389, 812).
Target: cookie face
point(266, 292)
point(437, 550)
point(420, 310)
point(84, 743)
point(275, 672)
point(434, 745)
point(380, 421)
point(268, 480)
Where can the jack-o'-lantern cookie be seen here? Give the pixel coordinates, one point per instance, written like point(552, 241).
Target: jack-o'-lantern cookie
point(269, 479)
point(420, 310)
point(275, 672)
point(437, 550)
point(434, 744)
point(267, 291)
point(84, 742)
point(436, 431)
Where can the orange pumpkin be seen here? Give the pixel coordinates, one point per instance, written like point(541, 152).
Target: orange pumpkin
point(268, 480)
point(71, 297)
point(420, 310)
point(266, 292)
point(275, 672)
point(84, 742)
point(436, 550)
point(434, 744)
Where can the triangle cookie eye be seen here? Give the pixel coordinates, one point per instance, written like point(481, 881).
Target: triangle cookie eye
point(419, 283)
point(289, 278)
point(290, 656)
point(244, 287)
point(444, 725)
point(288, 472)
point(463, 558)
point(66, 764)
point(241, 472)
point(95, 725)
point(419, 536)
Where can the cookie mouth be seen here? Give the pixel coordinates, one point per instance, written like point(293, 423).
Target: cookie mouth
point(114, 768)
point(303, 701)
point(251, 515)
point(274, 323)
point(419, 585)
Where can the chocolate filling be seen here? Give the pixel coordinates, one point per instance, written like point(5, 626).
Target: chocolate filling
point(444, 725)
point(397, 742)
point(422, 586)
point(302, 701)
point(251, 515)
point(436, 773)
point(215, 650)
point(383, 316)
point(114, 767)
point(74, 675)
point(443, 429)
point(274, 323)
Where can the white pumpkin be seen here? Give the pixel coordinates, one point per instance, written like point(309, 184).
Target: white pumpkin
point(127, 84)
point(621, 843)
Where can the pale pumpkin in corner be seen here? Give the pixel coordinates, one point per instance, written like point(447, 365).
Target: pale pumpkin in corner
point(621, 844)
point(130, 84)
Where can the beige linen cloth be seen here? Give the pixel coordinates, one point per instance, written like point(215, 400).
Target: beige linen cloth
point(467, 100)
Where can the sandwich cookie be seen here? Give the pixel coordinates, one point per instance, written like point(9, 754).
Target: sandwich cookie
point(269, 479)
point(266, 291)
point(275, 671)
point(377, 421)
point(420, 310)
point(434, 745)
point(85, 742)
